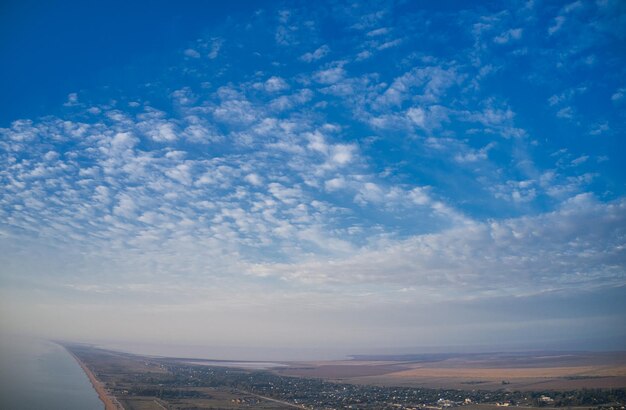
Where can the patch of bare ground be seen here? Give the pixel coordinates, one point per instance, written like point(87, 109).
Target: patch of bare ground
point(550, 378)
point(480, 371)
point(527, 384)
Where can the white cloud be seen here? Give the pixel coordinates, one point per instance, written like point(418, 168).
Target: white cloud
point(508, 36)
point(216, 45)
point(363, 55)
point(286, 31)
point(516, 257)
point(378, 32)
point(516, 191)
point(164, 133)
point(72, 100)
point(287, 102)
point(472, 155)
point(335, 184)
point(566, 96)
point(341, 154)
point(580, 160)
point(420, 196)
point(254, 179)
point(370, 20)
point(369, 192)
point(417, 116)
point(184, 96)
point(318, 54)
point(389, 44)
point(574, 6)
point(330, 75)
point(200, 134)
point(493, 117)
point(125, 207)
point(336, 155)
point(181, 173)
point(235, 111)
point(123, 141)
point(190, 52)
point(275, 84)
point(599, 129)
point(433, 81)
point(565, 112)
point(287, 195)
point(558, 24)
point(560, 19)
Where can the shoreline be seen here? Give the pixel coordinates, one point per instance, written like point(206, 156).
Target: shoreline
point(110, 402)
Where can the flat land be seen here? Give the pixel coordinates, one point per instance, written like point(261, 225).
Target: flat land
point(493, 371)
point(144, 383)
point(476, 382)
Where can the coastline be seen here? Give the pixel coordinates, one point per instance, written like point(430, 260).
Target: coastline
point(110, 402)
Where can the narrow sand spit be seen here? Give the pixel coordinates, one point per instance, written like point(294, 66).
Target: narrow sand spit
point(110, 402)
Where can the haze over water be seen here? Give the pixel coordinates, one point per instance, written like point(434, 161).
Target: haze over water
point(38, 374)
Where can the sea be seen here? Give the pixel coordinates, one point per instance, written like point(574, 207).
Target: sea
point(38, 374)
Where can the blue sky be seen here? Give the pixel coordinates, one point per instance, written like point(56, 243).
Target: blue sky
point(337, 175)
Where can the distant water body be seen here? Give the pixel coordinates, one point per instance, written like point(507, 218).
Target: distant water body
point(38, 374)
point(239, 365)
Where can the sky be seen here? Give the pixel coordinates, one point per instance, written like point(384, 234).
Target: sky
point(314, 179)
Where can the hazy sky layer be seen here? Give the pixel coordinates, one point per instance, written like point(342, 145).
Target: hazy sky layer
point(323, 176)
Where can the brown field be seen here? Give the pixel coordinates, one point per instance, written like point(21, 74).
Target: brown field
point(528, 371)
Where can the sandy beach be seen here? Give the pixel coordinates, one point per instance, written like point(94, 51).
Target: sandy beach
point(110, 402)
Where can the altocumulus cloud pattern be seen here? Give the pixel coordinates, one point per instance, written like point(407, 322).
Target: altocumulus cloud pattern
point(333, 155)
